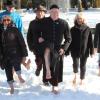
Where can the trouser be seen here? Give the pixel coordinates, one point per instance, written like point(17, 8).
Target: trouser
point(99, 60)
point(10, 65)
point(44, 73)
point(39, 60)
point(82, 65)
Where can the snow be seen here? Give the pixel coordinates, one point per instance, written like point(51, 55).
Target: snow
point(33, 88)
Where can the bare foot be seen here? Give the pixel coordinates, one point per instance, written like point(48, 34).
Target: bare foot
point(81, 82)
point(27, 65)
point(12, 88)
point(48, 75)
point(21, 79)
point(99, 73)
point(12, 91)
point(74, 81)
point(55, 91)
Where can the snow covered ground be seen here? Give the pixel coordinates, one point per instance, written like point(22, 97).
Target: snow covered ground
point(34, 88)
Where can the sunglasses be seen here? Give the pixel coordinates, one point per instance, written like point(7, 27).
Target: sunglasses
point(6, 20)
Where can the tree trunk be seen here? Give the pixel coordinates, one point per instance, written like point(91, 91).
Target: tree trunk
point(19, 4)
point(80, 6)
point(1, 4)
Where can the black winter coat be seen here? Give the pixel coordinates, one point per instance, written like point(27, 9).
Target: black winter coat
point(97, 37)
point(56, 35)
point(12, 43)
point(57, 32)
point(82, 42)
point(33, 34)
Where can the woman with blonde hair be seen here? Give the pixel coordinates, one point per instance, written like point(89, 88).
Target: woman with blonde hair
point(81, 46)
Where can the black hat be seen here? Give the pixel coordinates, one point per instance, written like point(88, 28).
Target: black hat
point(9, 3)
point(40, 8)
point(54, 6)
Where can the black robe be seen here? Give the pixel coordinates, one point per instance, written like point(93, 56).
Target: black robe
point(54, 32)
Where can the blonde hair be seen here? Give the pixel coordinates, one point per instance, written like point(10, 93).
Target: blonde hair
point(80, 15)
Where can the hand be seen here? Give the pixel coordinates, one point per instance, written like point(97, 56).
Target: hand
point(23, 59)
point(61, 51)
point(40, 39)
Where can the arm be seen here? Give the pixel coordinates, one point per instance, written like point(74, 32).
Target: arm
point(90, 41)
point(96, 35)
point(31, 37)
point(21, 43)
point(67, 37)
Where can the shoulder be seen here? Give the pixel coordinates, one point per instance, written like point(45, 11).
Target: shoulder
point(98, 25)
point(15, 15)
point(64, 22)
point(87, 27)
point(32, 22)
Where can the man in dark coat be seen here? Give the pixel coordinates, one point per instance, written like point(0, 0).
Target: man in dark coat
point(97, 42)
point(34, 42)
point(54, 31)
point(81, 46)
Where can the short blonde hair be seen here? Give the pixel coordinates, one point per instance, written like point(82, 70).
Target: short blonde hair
point(80, 15)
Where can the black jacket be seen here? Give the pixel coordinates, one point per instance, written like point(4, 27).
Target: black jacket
point(82, 42)
point(97, 37)
point(56, 35)
point(12, 43)
point(32, 36)
point(55, 32)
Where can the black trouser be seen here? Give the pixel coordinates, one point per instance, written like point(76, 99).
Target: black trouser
point(10, 64)
point(39, 60)
point(82, 65)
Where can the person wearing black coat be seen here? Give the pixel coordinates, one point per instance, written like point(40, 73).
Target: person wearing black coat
point(55, 30)
point(13, 50)
point(81, 45)
point(97, 42)
point(34, 40)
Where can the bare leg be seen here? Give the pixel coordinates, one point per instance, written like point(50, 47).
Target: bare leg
point(27, 64)
point(11, 88)
point(55, 90)
point(47, 63)
point(81, 81)
point(74, 80)
point(21, 79)
point(99, 71)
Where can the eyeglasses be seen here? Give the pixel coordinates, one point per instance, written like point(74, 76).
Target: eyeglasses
point(6, 20)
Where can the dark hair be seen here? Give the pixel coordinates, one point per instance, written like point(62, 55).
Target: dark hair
point(54, 6)
point(40, 8)
point(9, 3)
